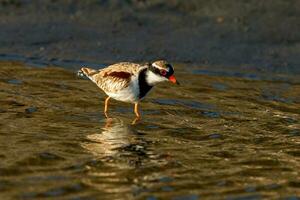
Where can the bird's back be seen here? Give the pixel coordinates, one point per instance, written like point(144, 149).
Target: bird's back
point(114, 77)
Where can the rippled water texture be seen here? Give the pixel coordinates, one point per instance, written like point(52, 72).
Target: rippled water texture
point(217, 136)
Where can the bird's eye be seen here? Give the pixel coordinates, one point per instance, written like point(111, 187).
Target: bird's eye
point(163, 72)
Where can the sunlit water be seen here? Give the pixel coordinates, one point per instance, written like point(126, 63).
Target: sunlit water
point(217, 136)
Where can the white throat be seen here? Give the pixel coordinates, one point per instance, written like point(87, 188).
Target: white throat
point(152, 78)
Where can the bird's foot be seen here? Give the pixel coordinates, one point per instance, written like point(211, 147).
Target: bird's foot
point(108, 123)
point(138, 118)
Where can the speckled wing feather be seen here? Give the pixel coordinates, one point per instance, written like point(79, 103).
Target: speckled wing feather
point(114, 77)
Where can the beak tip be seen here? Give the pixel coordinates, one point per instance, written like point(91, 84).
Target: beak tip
point(173, 80)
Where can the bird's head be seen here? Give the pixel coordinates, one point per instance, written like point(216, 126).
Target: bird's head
point(161, 71)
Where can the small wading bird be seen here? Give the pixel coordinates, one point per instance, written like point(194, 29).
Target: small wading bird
point(129, 82)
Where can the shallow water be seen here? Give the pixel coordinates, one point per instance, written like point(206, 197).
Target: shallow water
point(217, 136)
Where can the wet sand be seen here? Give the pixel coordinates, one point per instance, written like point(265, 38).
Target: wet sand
point(262, 36)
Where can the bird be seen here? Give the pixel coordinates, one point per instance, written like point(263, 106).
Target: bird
point(129, 82)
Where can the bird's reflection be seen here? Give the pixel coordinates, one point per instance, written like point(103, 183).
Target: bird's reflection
point(120, 147)
point(117, 141)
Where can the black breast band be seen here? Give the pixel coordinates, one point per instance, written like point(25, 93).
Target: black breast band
point(143, 85)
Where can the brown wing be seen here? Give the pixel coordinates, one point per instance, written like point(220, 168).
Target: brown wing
point(114, 77)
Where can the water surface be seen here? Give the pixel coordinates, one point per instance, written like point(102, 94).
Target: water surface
point(217, 136)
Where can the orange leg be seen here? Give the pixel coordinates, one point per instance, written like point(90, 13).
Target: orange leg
point(136, 111)
point(106, 107)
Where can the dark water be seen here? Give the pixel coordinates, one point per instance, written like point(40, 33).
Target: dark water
point(217, 136)
point(249, 34)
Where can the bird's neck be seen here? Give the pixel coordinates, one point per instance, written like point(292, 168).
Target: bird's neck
point(152, 78)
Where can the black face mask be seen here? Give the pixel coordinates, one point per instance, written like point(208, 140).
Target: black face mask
point(157, 71)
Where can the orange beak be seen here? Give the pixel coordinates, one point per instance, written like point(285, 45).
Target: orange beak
point(173, 79)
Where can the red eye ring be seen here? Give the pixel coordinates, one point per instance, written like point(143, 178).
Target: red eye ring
point(163, 72)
